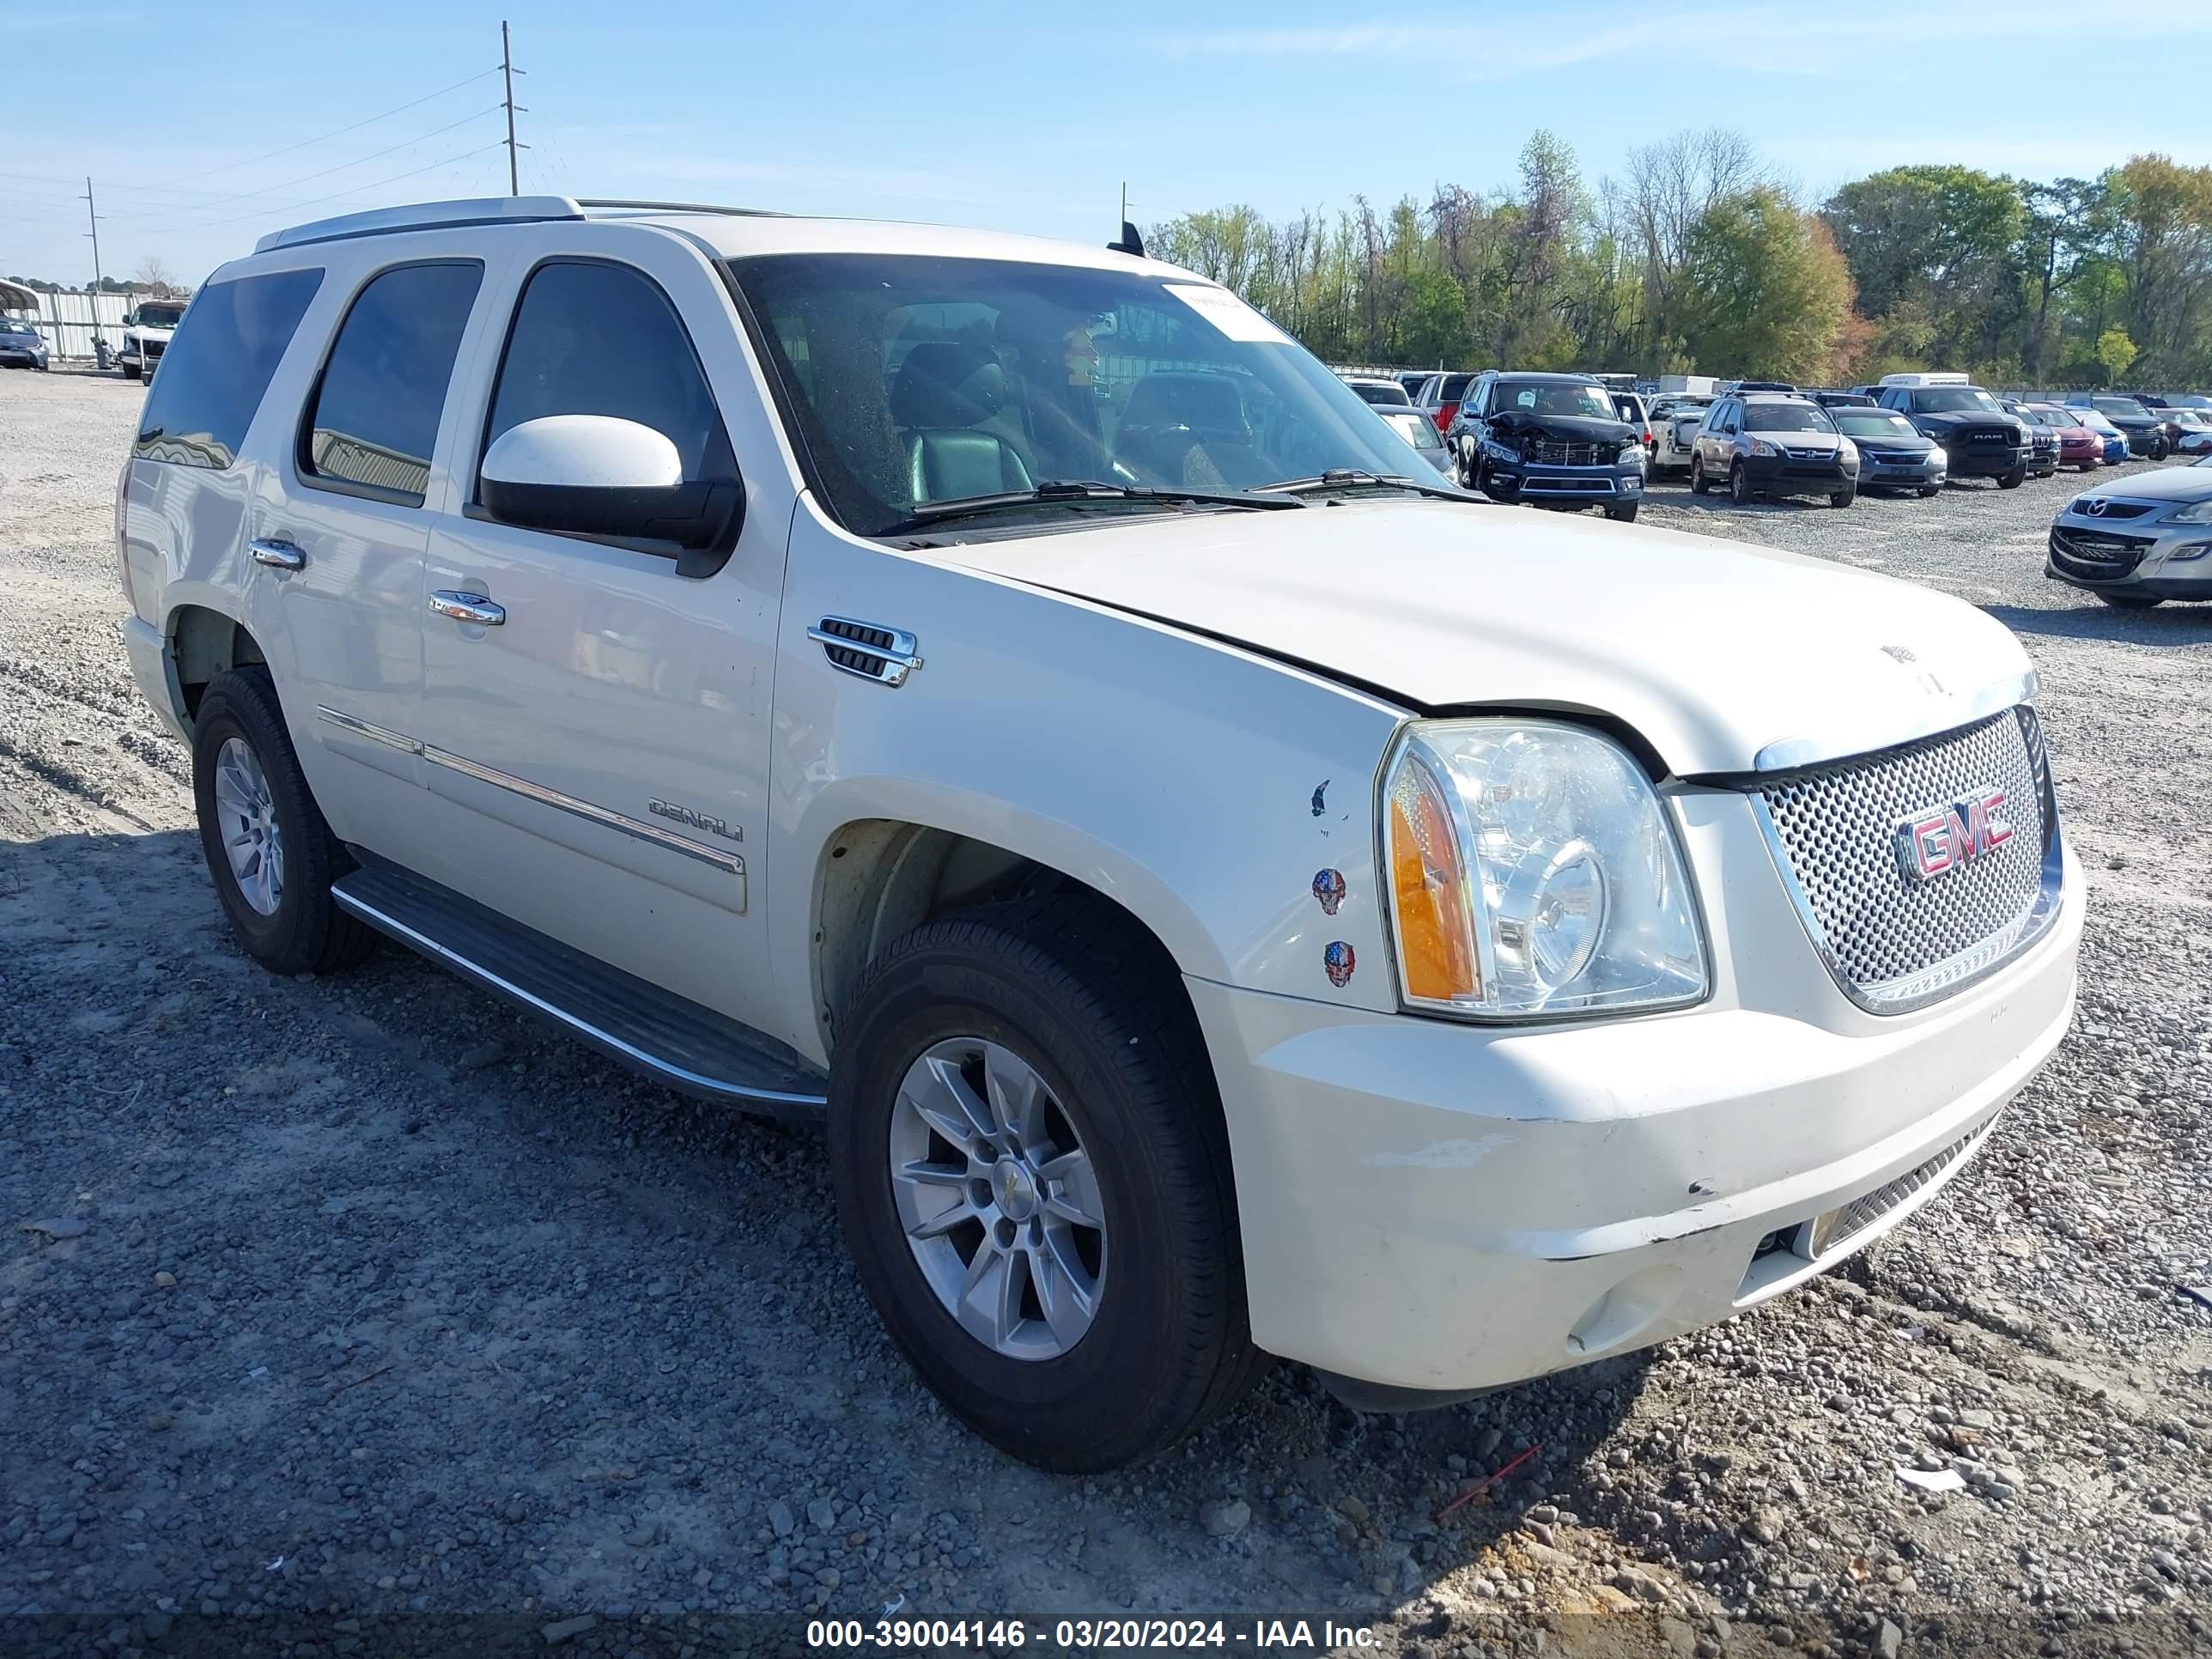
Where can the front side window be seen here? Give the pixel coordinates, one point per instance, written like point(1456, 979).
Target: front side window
point(601, 339)
point(215, 372)
point(914, 381)
point(372, 420)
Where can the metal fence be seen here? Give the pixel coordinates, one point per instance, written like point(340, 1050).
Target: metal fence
point(70, 320)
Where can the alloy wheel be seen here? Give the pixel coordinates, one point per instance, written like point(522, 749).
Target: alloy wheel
point(246, 812)
point(998, 1199)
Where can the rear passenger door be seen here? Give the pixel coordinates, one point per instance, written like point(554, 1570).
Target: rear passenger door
point(340, 541)
point(598, 757)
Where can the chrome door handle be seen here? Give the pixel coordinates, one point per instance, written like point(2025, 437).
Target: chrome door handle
point(468, 608)
point(277, 555)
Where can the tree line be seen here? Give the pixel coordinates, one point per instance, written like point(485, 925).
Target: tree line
point(1701, 259)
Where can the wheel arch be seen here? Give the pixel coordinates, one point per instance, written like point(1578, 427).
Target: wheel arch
point(202, 642)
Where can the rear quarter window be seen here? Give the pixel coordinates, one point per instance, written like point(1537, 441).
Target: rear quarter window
point(218, 366)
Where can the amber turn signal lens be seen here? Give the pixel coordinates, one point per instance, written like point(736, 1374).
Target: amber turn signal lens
point(1428, 886)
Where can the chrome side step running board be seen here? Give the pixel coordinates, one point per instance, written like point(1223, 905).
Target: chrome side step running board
point(667, 1037)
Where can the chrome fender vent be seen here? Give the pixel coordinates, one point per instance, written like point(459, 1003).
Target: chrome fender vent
point(886, 655)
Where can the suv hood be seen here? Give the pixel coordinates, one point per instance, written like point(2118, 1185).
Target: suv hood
point(1563, 429)
point(148, 332)
point(1713, 650)
point(1950, 420)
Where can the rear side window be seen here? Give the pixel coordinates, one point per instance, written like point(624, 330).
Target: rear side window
point(216, 368)
point(373, 419)
point(602, 339)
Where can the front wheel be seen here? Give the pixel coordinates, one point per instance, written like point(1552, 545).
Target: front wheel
point(1623, 512)
point(2130, 601)
point(1927, 490)
point(2158, 449)
point(1739, 485)
point(1844, 496)
point(131, 371)
point(269, 852)
point(1032, 1176)
point(2013, 479)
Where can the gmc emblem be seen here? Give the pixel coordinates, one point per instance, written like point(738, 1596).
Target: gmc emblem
point(1941, 838)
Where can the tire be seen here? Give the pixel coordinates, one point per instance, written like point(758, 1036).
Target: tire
point(298, 928)
point(2130, 601)
point(1927, 492)
point(2013, 479)
point(132, 371)
point(1739, 485)
point(1697, 476)
point(1623, 513)
point(1844, 496)
point(1093, 1007)
point(2158, 449)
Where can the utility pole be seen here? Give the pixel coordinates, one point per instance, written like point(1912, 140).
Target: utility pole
point(1125, 202)
point(99, 281)
point(506, 65)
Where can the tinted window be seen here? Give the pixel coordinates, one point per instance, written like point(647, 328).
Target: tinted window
point(596, 339)
point(216, 370)
point(373, 418)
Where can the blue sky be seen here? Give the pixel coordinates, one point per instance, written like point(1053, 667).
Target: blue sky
point(1024, 117)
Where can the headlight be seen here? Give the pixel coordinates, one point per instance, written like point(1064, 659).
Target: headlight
point(1848, 452)
point(1533, 873)
point(1761, 446)
point(2196, 513)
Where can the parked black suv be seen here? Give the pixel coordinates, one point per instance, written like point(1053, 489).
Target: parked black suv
point(1548, 439)
point(1979, 439)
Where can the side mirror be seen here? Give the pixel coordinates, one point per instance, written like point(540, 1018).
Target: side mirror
point(595, 475)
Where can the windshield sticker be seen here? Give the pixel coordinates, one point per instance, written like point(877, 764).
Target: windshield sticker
point(1328, 888)
point(1337, 961)
point(1228, 313)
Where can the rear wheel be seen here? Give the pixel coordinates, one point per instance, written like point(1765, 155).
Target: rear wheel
point(1032, 1176)
point(270, 853)
point(1697, 476)
point(1739, 485)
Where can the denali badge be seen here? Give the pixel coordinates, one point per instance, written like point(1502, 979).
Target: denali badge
point(722, 827)
point(1936, 841)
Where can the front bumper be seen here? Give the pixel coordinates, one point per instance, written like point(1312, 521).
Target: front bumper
point(1799, 475)
point(1541, 481)
point(1979, 461)
point(1444, 1208)
point(1918, 473)
point(2108, 558)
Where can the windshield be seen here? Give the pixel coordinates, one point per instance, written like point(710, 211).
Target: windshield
point(159, 316)
point(1943, 399)
point(2127, 406)
point(1415, 427)
point(1786, 417)
point(1387, 393)
point(1589, 403)
point(917, 380)
point(1872, 423)
point(16, 325)
point(2092, 420)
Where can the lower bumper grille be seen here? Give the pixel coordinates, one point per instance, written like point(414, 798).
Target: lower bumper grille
point(1831, 1232)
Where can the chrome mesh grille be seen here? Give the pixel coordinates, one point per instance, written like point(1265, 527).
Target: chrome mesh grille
point(1885, 936)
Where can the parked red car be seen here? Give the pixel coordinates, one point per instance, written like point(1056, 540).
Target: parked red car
point(2078, 446)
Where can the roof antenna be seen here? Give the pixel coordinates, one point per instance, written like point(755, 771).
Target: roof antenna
point(1130, 242)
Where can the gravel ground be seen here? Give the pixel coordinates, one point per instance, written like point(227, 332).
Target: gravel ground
point(325, 1306)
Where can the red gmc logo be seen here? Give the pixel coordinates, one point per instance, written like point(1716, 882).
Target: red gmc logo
point(1938, 841)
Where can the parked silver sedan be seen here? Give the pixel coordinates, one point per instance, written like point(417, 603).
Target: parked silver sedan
point(2139, 541)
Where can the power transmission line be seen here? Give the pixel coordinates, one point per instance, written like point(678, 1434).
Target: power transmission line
point(450, 161)
point(335, 132)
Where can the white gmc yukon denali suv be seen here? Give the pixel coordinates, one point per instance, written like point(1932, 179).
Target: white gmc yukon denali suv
point(1222, 892)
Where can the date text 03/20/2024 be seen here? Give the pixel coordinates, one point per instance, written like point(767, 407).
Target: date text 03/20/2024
point(894, 1635)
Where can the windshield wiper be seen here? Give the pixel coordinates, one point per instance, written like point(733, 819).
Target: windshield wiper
point(1341, 478)
point(1058, 492)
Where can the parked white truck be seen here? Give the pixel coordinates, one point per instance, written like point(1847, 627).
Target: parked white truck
point(1226, 893)
point(147, 331)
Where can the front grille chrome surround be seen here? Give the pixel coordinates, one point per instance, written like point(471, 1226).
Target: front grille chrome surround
point(1893, 945)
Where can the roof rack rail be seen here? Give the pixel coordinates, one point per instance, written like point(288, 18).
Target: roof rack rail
point(424, 215)
point(605, 204)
